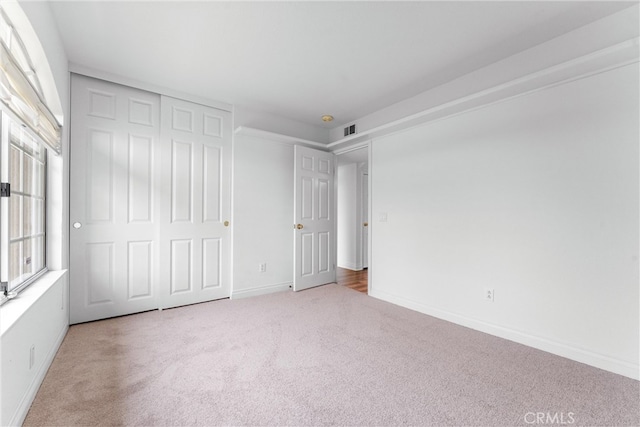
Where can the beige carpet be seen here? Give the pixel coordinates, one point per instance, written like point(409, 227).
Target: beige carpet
point(325, 356)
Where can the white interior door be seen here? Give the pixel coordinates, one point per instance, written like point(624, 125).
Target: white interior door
point(314, 217)
point(115, 134)
point(195, 230)
point(365, 220)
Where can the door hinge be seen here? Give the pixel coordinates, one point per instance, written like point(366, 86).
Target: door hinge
point(5, 189)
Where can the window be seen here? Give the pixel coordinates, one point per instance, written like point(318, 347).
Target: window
point(20, 88)
point(28, 134)
point(26, 206)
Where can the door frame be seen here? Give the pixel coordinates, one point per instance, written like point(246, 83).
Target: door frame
point(368, 145)
point(363, 176)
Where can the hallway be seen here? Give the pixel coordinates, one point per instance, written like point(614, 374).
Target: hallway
point(357, 280)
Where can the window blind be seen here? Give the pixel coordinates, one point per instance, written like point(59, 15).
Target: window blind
point(19, 95)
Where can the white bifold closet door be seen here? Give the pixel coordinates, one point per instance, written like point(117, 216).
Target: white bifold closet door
point(147, 174)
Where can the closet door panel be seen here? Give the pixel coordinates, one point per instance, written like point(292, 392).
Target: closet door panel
point(197, 152)
point(115, 157)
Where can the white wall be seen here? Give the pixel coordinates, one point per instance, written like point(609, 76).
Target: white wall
point(350, 181)
point(39, 318)
point(535, 197)
point(347, 194)
point(506, 74)
point(281, 125)
point(262, 216)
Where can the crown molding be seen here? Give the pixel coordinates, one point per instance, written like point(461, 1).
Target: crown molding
point(137, 84)
point(602, 60)
point(278, 137)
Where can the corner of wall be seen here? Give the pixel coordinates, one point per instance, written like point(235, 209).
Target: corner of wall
point(246, 117)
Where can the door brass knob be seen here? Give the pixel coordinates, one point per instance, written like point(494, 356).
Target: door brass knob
point(299, 226)
point(226, 223)
point(366, 224)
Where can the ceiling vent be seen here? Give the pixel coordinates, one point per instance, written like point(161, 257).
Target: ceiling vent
point(350, 130)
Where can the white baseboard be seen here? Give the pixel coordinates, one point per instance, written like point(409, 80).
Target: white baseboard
point(350, 266)
point(600, 361)
point(23, 409)
point(261, 290)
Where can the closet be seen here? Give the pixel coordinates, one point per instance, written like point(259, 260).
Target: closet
point(149, 201)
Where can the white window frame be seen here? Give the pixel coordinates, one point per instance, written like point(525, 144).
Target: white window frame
point(22, 104)
point(36, 195)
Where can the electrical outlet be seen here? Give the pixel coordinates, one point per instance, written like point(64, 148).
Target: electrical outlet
point(262, 267)
point(488, 294)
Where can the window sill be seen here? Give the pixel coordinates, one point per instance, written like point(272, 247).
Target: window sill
point(12, 310)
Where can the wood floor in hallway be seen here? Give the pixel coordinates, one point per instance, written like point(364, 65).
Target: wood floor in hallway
point(357, 280)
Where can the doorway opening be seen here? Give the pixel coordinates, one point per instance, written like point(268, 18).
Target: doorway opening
point(353, 218)
point(356, 280)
